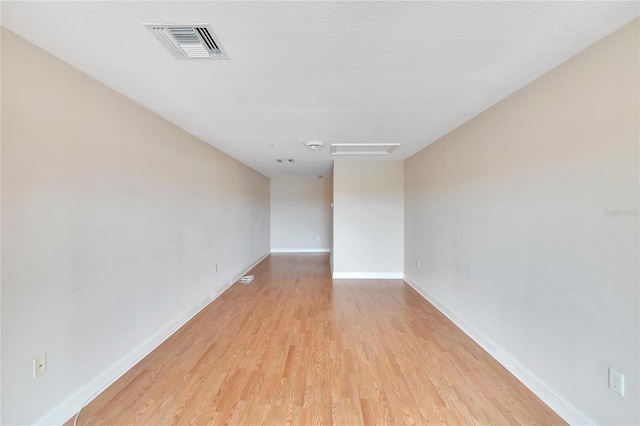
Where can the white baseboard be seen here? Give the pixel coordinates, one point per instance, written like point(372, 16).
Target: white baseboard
point(102, 381)
point(541, 389)
point(300, 250)
point(247, 269)
point(367, 275)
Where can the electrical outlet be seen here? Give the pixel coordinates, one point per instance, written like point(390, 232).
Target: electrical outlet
point(215, 268)
point(417, 264)
point(39, 365)
point(213, 294)
point(616, 381)
point(318, 238)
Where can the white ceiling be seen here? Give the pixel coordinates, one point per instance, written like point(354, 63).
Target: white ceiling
point(340, 72)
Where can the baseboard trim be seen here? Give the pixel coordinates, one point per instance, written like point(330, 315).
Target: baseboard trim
point(102, 381)
point(247, 269)
point(367, 275)
point(300, 250)
point(536, 385)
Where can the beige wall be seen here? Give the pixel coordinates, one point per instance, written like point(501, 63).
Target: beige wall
point(509, 216)
point(113, 221)
point(301, 214)
point(368, 219)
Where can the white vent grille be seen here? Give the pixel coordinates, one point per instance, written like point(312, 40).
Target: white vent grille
point(363, 149)
point(188, 41)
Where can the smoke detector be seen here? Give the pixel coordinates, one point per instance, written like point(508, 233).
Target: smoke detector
point(188, 41)
point(314, 145)
point(285, 160)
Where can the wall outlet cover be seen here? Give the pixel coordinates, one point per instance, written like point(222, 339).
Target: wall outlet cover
point(39, 365)
point(616, 381)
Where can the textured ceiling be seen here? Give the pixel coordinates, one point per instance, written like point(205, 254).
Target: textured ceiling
point(341, 72)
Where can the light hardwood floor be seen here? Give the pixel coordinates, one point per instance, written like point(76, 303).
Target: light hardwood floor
point(296, 347)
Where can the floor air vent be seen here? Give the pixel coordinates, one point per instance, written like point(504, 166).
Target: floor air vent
point(188, 41)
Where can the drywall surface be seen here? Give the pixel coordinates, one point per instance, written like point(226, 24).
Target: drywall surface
point(0, 257)
point(402, 71)
point(113, 221)
point(301, 214)
point(525, 224)
point(368, 219)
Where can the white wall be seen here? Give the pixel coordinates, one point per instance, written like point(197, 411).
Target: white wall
point(301, 214)
point(509, 218)
point(0, 258)
point(368, 219)
point(113, 220)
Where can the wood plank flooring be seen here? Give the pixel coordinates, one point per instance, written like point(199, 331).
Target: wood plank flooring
point(295, 347)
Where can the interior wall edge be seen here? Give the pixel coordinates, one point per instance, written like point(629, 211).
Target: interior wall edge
point(528, 378)
point(68, 409)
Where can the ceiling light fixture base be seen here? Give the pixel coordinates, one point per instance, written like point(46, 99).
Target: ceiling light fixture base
point(314, 145)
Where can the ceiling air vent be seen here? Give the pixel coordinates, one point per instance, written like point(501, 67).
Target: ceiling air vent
point(363, 148)
point(188, 41)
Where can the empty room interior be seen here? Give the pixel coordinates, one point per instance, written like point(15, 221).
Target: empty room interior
point(320, 212)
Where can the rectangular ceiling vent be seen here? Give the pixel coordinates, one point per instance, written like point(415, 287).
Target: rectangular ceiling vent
point(188, 41)
point(363, 148)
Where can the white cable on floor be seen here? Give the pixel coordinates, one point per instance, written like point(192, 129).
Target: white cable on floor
point(75, 420)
